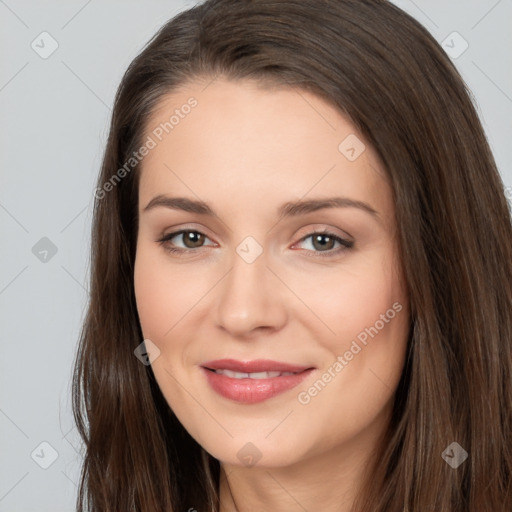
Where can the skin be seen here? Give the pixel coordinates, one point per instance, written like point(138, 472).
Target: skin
point(245, 150)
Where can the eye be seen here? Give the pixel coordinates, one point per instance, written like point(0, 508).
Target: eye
point(324, 242)
point(189, 238)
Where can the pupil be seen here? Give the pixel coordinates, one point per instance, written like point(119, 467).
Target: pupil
point(318, 239)
point(193, 239)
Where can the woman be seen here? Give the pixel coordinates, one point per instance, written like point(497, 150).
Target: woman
point(301, 273)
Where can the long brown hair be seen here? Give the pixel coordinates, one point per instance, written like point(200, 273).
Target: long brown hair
point(389, 76)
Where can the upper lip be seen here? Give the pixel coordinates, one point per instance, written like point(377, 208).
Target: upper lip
point(258, 365)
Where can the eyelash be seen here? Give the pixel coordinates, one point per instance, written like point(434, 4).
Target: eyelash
point(345, 244)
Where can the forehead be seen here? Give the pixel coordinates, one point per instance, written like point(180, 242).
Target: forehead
point(241, 141)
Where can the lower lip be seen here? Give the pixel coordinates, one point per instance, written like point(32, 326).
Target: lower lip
point(252, 391)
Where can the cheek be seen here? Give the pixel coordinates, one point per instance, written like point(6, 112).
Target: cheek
point(152, 297)
point(161, 304)
point(364, 360)
point(372, 324)
point(366, 311)
point(163, 295)
point(353, 297)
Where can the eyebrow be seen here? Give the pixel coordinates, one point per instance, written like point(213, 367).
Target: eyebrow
point(289, 209)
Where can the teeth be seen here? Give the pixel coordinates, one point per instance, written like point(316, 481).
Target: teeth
point(255, 375)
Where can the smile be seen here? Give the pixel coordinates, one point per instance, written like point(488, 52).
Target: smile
point(256, 375)
point(254, 381)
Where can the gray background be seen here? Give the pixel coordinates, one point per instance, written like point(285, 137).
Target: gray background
point(55, 114)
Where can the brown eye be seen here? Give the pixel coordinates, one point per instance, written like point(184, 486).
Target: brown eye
point(192, 239)
point(185, 241)
point(323, 242)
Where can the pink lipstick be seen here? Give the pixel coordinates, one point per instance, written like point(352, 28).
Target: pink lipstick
point(250, 382)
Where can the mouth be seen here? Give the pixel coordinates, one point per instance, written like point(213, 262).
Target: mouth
point(250, 382)
point(255, 375)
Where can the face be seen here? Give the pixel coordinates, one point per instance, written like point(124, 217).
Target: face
point(267, 274)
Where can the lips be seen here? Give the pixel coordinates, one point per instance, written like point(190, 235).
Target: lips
point(258, 365)
point(250, 382)
point(252, 375)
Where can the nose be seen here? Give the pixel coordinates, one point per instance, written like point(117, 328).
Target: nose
point(251, 299)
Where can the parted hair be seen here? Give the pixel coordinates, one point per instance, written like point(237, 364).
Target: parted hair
point(382, 70)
